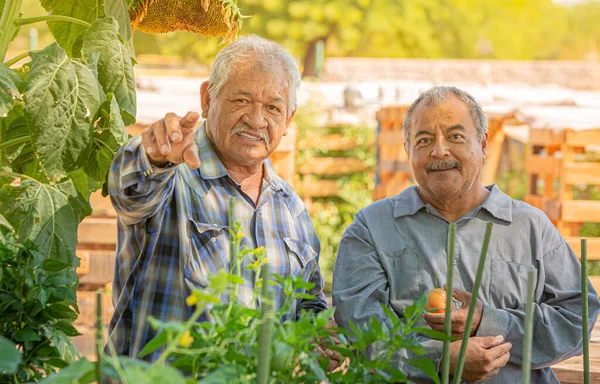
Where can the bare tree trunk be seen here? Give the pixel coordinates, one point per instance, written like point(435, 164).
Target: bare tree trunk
point(310, 60)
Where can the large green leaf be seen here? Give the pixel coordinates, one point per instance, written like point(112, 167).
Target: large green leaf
point(44, 214)
point(66, 32)
point(108, 137)
point(118, 10)
point(11, 357)
point(62, 98)
point(115, 70)
point(11, 86)
point(81, 371)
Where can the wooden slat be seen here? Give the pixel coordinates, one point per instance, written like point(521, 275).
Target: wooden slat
point(391, 138)
point(321, 188)
point(593, 246)
point(583, 138)
point(101, 265)
point(551, 207)
point(96, 230)
point(86, 300)
point(490, 166)
point(581, 211)
point(571, 370)
point(546, 137)
point(101, 205)
point(394, 166)
point(332, 166)
point(542, 165)
point(582, 173)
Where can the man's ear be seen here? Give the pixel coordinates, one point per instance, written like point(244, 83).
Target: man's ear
point(484, 145)
point(204, 99)
point(288, 121)
point(406, 149)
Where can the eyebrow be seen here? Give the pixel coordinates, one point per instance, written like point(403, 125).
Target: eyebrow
point(455, 127)
point(275, 99)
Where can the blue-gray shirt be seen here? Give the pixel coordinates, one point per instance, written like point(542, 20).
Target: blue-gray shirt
point(395, 247)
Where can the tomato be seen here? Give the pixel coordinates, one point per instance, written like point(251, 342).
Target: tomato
point(436, 301)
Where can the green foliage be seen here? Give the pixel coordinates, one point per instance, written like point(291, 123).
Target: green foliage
point(11, 357)
point(37, 307)
point(63, 118)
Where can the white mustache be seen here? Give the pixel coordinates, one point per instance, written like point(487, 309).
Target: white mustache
point(245, 129)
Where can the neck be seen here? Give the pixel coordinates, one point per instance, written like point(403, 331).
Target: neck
point(249, 178)
point(454, 208)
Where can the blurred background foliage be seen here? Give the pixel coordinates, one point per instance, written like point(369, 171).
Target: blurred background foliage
point(495, 29)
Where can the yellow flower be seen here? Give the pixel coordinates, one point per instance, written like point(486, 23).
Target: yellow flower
point(193, 299)
point(186, 339)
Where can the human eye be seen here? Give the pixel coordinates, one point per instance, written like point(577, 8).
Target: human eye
point(273, 108)
point(423, 141)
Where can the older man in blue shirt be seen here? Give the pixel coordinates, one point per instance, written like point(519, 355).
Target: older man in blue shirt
point(396, 249)
point(171, 188)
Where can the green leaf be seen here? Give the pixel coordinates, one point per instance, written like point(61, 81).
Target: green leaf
point(54, 265)
point(60, 311)
point(428, 367)
point(115, 70)
point(27, 334)
point(154, 344)
point(62, 98)
point(160, 374)
point(225, 374)
point(11, 357)
point(65, 32)
point(11, 86)
point(65, 293)
point(432, 333)
point(67, 328)
point(81, 372)
point(40, 294)
point(44, 214)
point(118, 10)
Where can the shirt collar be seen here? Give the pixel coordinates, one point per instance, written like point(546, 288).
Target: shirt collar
point(211, 166)
point(498, 204)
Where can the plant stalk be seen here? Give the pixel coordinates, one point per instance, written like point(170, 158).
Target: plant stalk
point(234, 254)
point(473, 303)
point(585, 313)
point(20, 56)
point(32, 20)
point(99, 336)
point(449, 303)
point(526, 366)
point(266, 326)
point(18, 140)
point(11, 11)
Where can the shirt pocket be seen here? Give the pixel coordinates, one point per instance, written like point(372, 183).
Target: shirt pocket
point(209, 251)
point(408, 277)
point(300, 255)
point(508, 283)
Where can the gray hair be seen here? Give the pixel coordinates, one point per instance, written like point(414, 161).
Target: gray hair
point(435, 96)
point(264, 54)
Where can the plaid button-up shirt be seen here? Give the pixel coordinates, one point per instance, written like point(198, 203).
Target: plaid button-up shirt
point(173, 231)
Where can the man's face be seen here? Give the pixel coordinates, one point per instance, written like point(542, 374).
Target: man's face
point(445, 154)
point(249, 116)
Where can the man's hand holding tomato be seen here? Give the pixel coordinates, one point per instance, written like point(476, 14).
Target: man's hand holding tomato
point(459, 316)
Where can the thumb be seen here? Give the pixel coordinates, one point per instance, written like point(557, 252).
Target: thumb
point(462, 296)
point(490, 341)
point(190, 155)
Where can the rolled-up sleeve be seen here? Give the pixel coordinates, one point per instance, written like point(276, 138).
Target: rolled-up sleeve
point(137, 188)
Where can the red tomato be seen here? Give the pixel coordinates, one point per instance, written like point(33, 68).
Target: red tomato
point(436, 301)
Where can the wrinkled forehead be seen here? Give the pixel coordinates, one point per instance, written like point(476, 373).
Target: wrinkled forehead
point(451, 111)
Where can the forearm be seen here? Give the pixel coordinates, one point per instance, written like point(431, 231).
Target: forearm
point(136, 187)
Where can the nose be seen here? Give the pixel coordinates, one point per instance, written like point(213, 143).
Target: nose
point(255, 119)
point(440, 148)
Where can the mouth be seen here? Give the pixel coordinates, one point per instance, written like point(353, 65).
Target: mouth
point(248, 136)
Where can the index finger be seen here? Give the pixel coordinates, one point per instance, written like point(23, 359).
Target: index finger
point(434, 318)
point(189, 120)
point(500, 350)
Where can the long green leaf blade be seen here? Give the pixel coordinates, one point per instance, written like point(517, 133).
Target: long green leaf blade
point(64, 32)
point(62, 98)
point(115, 70)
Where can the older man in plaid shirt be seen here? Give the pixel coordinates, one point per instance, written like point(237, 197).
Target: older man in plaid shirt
point(171, 187)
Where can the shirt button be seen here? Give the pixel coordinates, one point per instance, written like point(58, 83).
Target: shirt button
point(213, 239)
point(215, 225)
